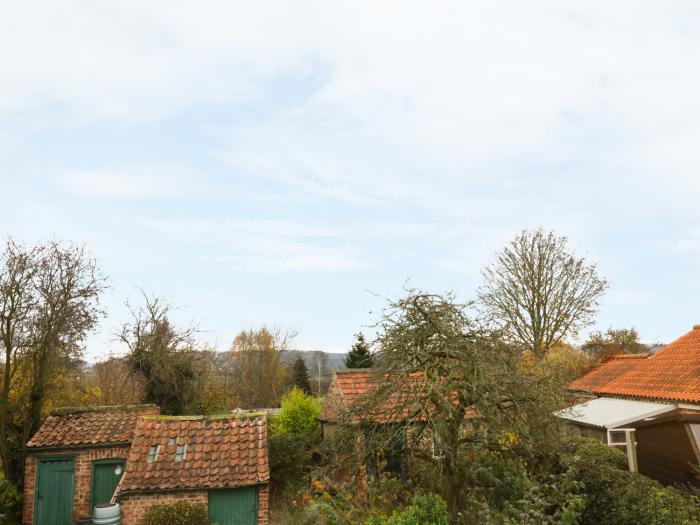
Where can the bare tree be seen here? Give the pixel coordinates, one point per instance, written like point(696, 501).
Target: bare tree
point(115, 382)
point(538, 291)
point(166, 357)
point(49, 302)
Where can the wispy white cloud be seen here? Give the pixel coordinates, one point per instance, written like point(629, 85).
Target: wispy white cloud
point(216, 232)
point(263, 256)
point(283, 246)
point(372, 128)
point(135, 182)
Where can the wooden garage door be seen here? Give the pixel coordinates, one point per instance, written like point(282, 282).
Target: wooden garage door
point(233, 506)
point(54, 492)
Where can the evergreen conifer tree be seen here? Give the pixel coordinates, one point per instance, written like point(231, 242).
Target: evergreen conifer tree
point(359, 355)
point(301, 376)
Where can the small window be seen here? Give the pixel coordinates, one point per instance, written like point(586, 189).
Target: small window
point(180, 452)
point(153, 453)
point(617, 438)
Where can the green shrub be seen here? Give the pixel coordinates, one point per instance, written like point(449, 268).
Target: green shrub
point(179, 513)
point(614, 495)
point(299, 414)
point(502, 490)
point(425, 509)
point(290, 461)
point(10, 503)
point(356, 501)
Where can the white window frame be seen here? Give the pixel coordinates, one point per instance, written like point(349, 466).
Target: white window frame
point(184, 452)
point(630, 445)
point(153, 455)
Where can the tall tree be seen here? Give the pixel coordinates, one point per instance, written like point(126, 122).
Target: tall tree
point(166, 357)
point(457, 386)
point(255, 370)
point(359, 355)
point(614, 341)
point(300, 376)
point(538, 291)
point(49, 302)
point(115, 383)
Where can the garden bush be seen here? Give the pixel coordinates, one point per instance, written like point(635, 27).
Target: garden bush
point(299, 414)
point(425, 509)
point(10, 503)
point(614, 495)
point(179, 513)
point(502, 490)
point(290, 461)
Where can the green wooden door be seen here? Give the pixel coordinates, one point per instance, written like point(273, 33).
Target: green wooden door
point(54, 492)
point(105, 478)
point(233, 506)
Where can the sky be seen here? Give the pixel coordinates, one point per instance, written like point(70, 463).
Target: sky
point(296, 163)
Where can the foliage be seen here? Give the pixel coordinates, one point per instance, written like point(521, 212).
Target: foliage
point(300, 376)
point(49, 303)
point(114, 382)
point(439, 369)
point(358, 500)
point(614, 495)
point(164, 356)
point(614, 341)
point(290, 462)
point(503, 490)
point(425, 509)
point(10, 503)
point(254, 370)
point(562, 361)
point(538, 291)
point(299, 414)
point(178, 513)
point(359, 355)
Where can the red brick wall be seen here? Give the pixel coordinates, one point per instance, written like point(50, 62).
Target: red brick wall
point(264, 505)
point(81, 487)
point(134, 506)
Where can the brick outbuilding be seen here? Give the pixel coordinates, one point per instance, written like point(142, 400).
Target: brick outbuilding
point(220, 462)
point(129, 454)
point(76, 460)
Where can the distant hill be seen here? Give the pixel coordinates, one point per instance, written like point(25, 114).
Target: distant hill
point(327, 361)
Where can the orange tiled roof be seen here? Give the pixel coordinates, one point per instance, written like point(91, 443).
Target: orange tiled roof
point(69, 427)
point(220, 452)
point(672, 374)
point(355, 385)
point(604, 373)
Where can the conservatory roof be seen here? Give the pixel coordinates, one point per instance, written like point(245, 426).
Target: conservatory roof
point(608, 412)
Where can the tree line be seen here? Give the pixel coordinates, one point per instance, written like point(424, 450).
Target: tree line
point(536, 294)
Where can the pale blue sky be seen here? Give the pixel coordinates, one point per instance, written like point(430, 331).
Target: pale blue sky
point(283, 163)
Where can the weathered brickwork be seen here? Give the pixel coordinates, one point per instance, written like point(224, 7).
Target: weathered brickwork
point(134, 506)
point(220, 452)
point(264, 505)
point(81, 488)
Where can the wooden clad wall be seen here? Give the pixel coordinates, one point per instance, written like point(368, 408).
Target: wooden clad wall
point(665, 453)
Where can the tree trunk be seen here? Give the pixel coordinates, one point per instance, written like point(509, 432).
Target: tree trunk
point(4, 412)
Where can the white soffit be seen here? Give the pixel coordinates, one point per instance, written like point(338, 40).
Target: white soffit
point(608, 412)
